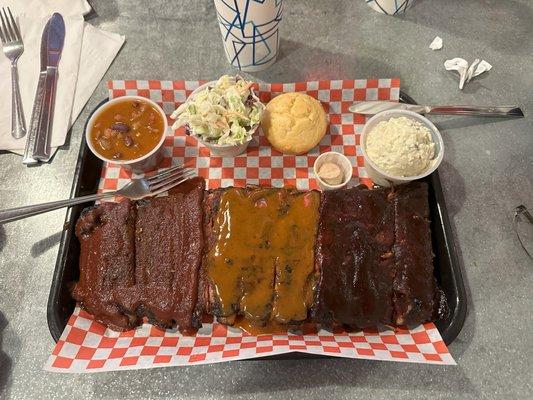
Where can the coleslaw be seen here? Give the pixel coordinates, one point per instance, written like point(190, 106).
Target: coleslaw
point(225, 114)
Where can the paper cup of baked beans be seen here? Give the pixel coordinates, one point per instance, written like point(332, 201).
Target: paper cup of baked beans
point(128, 131)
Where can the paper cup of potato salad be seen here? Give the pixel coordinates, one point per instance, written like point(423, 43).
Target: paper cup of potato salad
point(400, 146)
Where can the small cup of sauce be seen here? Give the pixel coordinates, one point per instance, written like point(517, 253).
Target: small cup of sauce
point(332, 170)
point(128, 131)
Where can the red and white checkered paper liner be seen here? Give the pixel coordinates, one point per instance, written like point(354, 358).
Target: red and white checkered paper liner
point(87, 346)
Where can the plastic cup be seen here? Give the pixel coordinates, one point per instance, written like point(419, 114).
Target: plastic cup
point(390, 7)
point(250, 32)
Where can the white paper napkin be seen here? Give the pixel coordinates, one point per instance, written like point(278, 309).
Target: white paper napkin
point(87, 54)
point(466, 73)
point(97, 45)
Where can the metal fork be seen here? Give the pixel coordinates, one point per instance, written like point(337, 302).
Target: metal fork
point(135, 190)
point(13, 48)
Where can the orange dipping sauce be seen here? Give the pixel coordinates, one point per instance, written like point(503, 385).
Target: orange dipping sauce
point(127, 130)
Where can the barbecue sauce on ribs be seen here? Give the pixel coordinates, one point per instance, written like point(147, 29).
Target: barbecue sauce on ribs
point(168, 252)
point(261, 263)
point(107, 261)
point(374, 258)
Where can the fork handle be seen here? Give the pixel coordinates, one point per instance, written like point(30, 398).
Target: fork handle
point(18, 126)
point(14, 214)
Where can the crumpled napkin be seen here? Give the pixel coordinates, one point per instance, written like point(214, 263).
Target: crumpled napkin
point(466, 72)
point(87, 54)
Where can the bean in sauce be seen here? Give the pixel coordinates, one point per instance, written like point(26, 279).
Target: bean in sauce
point(127, 130)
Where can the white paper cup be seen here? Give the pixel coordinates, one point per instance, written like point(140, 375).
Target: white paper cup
point(390, 7)
point(250, 32)
point(337, 158)
point(380, 177)
point(225, 150)
point(222, 150)
point(146, 163)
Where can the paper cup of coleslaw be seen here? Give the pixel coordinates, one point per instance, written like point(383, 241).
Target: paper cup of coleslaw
point(223, 150)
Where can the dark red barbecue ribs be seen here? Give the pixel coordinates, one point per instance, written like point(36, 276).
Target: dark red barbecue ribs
point(414, 283)
point(107, 261)
point(169, 244)
point(374, 258)
point(354, 258)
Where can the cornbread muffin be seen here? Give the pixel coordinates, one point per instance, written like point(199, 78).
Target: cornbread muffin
point(294, 123)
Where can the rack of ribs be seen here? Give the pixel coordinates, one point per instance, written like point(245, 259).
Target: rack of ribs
point(259, 254)
point(374, 258)
point(261, 258)
point(354, 258)
point(107, 262)
point(168, 252)
point(414, 283)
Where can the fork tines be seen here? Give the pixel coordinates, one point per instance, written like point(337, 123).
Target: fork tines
point(165, 173)
point(169, 178)
point(9, 31)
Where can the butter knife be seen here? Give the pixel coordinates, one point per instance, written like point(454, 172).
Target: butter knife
point(374, 107)
point(38, 102)
point(38, 142)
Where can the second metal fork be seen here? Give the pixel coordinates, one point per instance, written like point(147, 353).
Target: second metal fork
point(135, 190)
point(13, 48)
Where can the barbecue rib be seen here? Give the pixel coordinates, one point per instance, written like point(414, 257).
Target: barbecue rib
point(354, 258)
point(169, 244)
point(259, 254)
point(375, 259)
point(414, 283)
point(107, 261)
point(206, 300)
point(238, 267)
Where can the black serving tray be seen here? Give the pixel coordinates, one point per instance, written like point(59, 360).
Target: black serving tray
point(86, 179)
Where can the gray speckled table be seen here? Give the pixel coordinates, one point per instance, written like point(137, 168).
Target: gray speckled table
point(487, 171)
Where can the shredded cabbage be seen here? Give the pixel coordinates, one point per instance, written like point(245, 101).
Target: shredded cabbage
point(223, 114)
